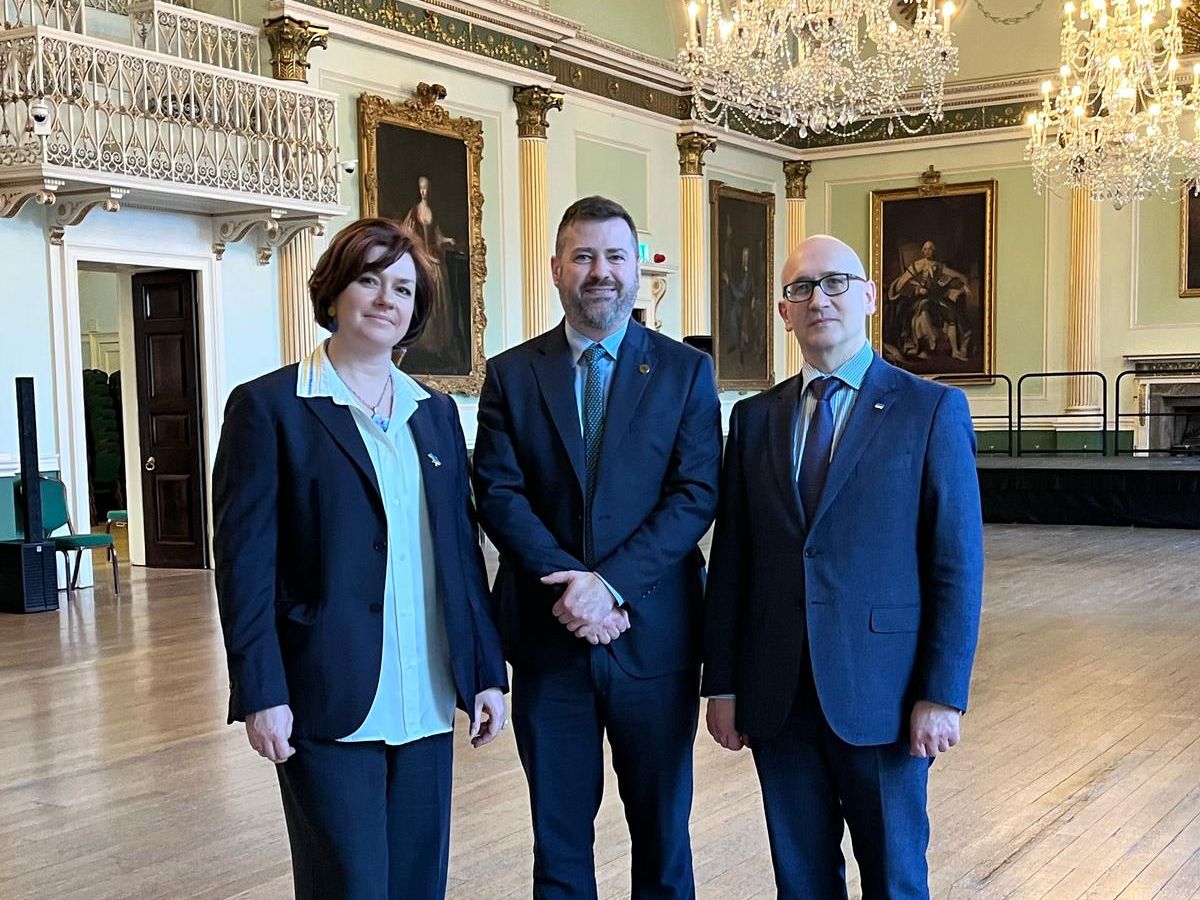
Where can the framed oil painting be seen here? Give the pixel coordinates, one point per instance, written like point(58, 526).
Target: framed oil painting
point(420, 165)
point(932, 261)
point(1189, 243)
point(743, 272)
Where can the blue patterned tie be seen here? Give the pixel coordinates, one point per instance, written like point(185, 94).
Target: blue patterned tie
point(593, 429)
point(818, 445)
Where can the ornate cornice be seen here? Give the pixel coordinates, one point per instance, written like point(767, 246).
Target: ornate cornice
point(290, 41)
point(533, 103)
point(447, 30)
point(692, 147)
point(795, 178)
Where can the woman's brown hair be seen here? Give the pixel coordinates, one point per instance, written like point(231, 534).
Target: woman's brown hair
point(346, 259)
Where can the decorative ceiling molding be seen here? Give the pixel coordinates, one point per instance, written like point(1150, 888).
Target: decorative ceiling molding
point(530, 38)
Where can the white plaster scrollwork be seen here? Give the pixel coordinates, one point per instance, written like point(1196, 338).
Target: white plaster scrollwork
point(277, 230)
point(14, 196)
point(72, 208)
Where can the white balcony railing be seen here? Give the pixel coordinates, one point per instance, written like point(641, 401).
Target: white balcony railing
point(138, 118)
point(66, 15)
point(196, 36)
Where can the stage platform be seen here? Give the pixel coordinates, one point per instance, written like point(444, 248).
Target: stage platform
point(1150, 492)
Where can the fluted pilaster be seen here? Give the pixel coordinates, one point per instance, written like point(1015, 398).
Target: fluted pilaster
point(796, 174)
point(1083, 394)
point(297, 327)
point(533, 104)
point(692, 219)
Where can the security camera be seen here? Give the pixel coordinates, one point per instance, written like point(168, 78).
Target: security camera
point(42, 114)
point(348, 166)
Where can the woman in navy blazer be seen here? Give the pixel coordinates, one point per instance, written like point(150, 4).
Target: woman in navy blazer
point(351, 586)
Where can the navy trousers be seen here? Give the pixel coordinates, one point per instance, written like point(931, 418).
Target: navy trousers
point(813, 782)
point(560, 718)
point(368, 821)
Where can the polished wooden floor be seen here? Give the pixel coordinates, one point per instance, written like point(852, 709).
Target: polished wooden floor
point(1079, 776)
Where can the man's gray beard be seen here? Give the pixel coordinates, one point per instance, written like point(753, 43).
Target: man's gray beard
point(606, 317)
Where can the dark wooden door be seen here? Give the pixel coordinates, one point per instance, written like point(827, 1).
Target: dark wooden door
point(169, 420)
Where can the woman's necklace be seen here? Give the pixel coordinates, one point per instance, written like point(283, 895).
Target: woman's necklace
point(381, 421)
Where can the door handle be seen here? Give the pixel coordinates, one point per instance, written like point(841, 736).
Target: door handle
point(150, 464)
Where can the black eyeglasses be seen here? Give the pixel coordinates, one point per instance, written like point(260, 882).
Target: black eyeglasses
point(832, 285)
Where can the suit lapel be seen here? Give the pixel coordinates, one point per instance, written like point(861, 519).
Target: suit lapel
point(781, 425)
point(556, 380)
point(434, 459)
point(870, 407)
point(339, 422)
point(636, 362)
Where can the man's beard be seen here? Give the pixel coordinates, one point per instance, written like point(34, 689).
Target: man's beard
point(602, 316)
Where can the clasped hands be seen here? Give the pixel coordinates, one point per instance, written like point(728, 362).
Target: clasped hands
point(587, 607)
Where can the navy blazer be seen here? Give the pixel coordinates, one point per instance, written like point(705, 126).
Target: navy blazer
point(655, 493)
point(301, 556)
point(885, 584)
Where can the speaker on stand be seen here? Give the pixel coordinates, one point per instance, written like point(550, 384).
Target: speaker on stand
point(28, 574)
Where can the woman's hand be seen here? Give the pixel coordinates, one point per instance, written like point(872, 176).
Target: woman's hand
point(268, 731)
point(484, 731)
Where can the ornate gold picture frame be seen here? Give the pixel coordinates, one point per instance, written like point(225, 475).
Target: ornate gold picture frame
point(743, 275)
point(420, 165)
point(1189, 243)
point(933, 264)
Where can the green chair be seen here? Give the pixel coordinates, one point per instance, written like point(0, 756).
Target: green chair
point(55, 516)
point(118, 517)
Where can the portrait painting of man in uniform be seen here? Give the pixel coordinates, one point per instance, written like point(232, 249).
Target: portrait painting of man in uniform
point(932, 262)
point(743, 294)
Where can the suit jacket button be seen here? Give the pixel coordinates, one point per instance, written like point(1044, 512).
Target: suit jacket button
point(810, 552)
point(376, 607)
point(379, 545)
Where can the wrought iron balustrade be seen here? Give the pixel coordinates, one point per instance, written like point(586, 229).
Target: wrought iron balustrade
point(184, 33)
point(131, 114)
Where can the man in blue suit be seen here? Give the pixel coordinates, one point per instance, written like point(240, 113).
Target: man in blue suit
point(843, 603)
point(596, 467)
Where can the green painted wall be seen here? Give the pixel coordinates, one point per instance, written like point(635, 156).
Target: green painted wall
point(1158, 300)
point(651, 26)
point(613, 172)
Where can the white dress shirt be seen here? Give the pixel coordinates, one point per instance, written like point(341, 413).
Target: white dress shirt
point(415, 697)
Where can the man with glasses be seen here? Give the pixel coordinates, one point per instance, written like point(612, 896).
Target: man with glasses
point(843, 600)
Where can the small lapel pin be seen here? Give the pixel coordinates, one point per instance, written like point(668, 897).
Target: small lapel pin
point(433, 458)
point(644, 369)
point(879, 406)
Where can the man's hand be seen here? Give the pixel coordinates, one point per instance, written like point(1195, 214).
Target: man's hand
point(720, 720)
point(484, 731)
point(614, 625)
point(268, 731)
point(586, 601)
point(933, 729)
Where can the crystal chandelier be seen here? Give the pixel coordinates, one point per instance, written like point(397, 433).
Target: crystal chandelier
point(1116, 123)
point(817, 65)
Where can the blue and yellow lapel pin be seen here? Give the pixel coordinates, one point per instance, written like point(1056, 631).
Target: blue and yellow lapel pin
point(433, 458)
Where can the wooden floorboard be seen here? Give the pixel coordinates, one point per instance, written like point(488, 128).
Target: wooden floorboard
point(1078, 778)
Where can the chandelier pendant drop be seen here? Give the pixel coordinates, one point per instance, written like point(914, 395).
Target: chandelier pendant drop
point(817, 65)
point(1116, 122)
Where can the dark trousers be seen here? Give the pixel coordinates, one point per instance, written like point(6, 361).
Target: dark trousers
point(368, 821)
point(813, 781)
point(560, 718)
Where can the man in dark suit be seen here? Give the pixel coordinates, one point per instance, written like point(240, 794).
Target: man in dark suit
point(596, 463)
point(843, 604)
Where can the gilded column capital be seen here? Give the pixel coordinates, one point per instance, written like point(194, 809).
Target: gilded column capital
point(290, 41)
point(533, 103)
point(795, 178)
point(692, 147)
